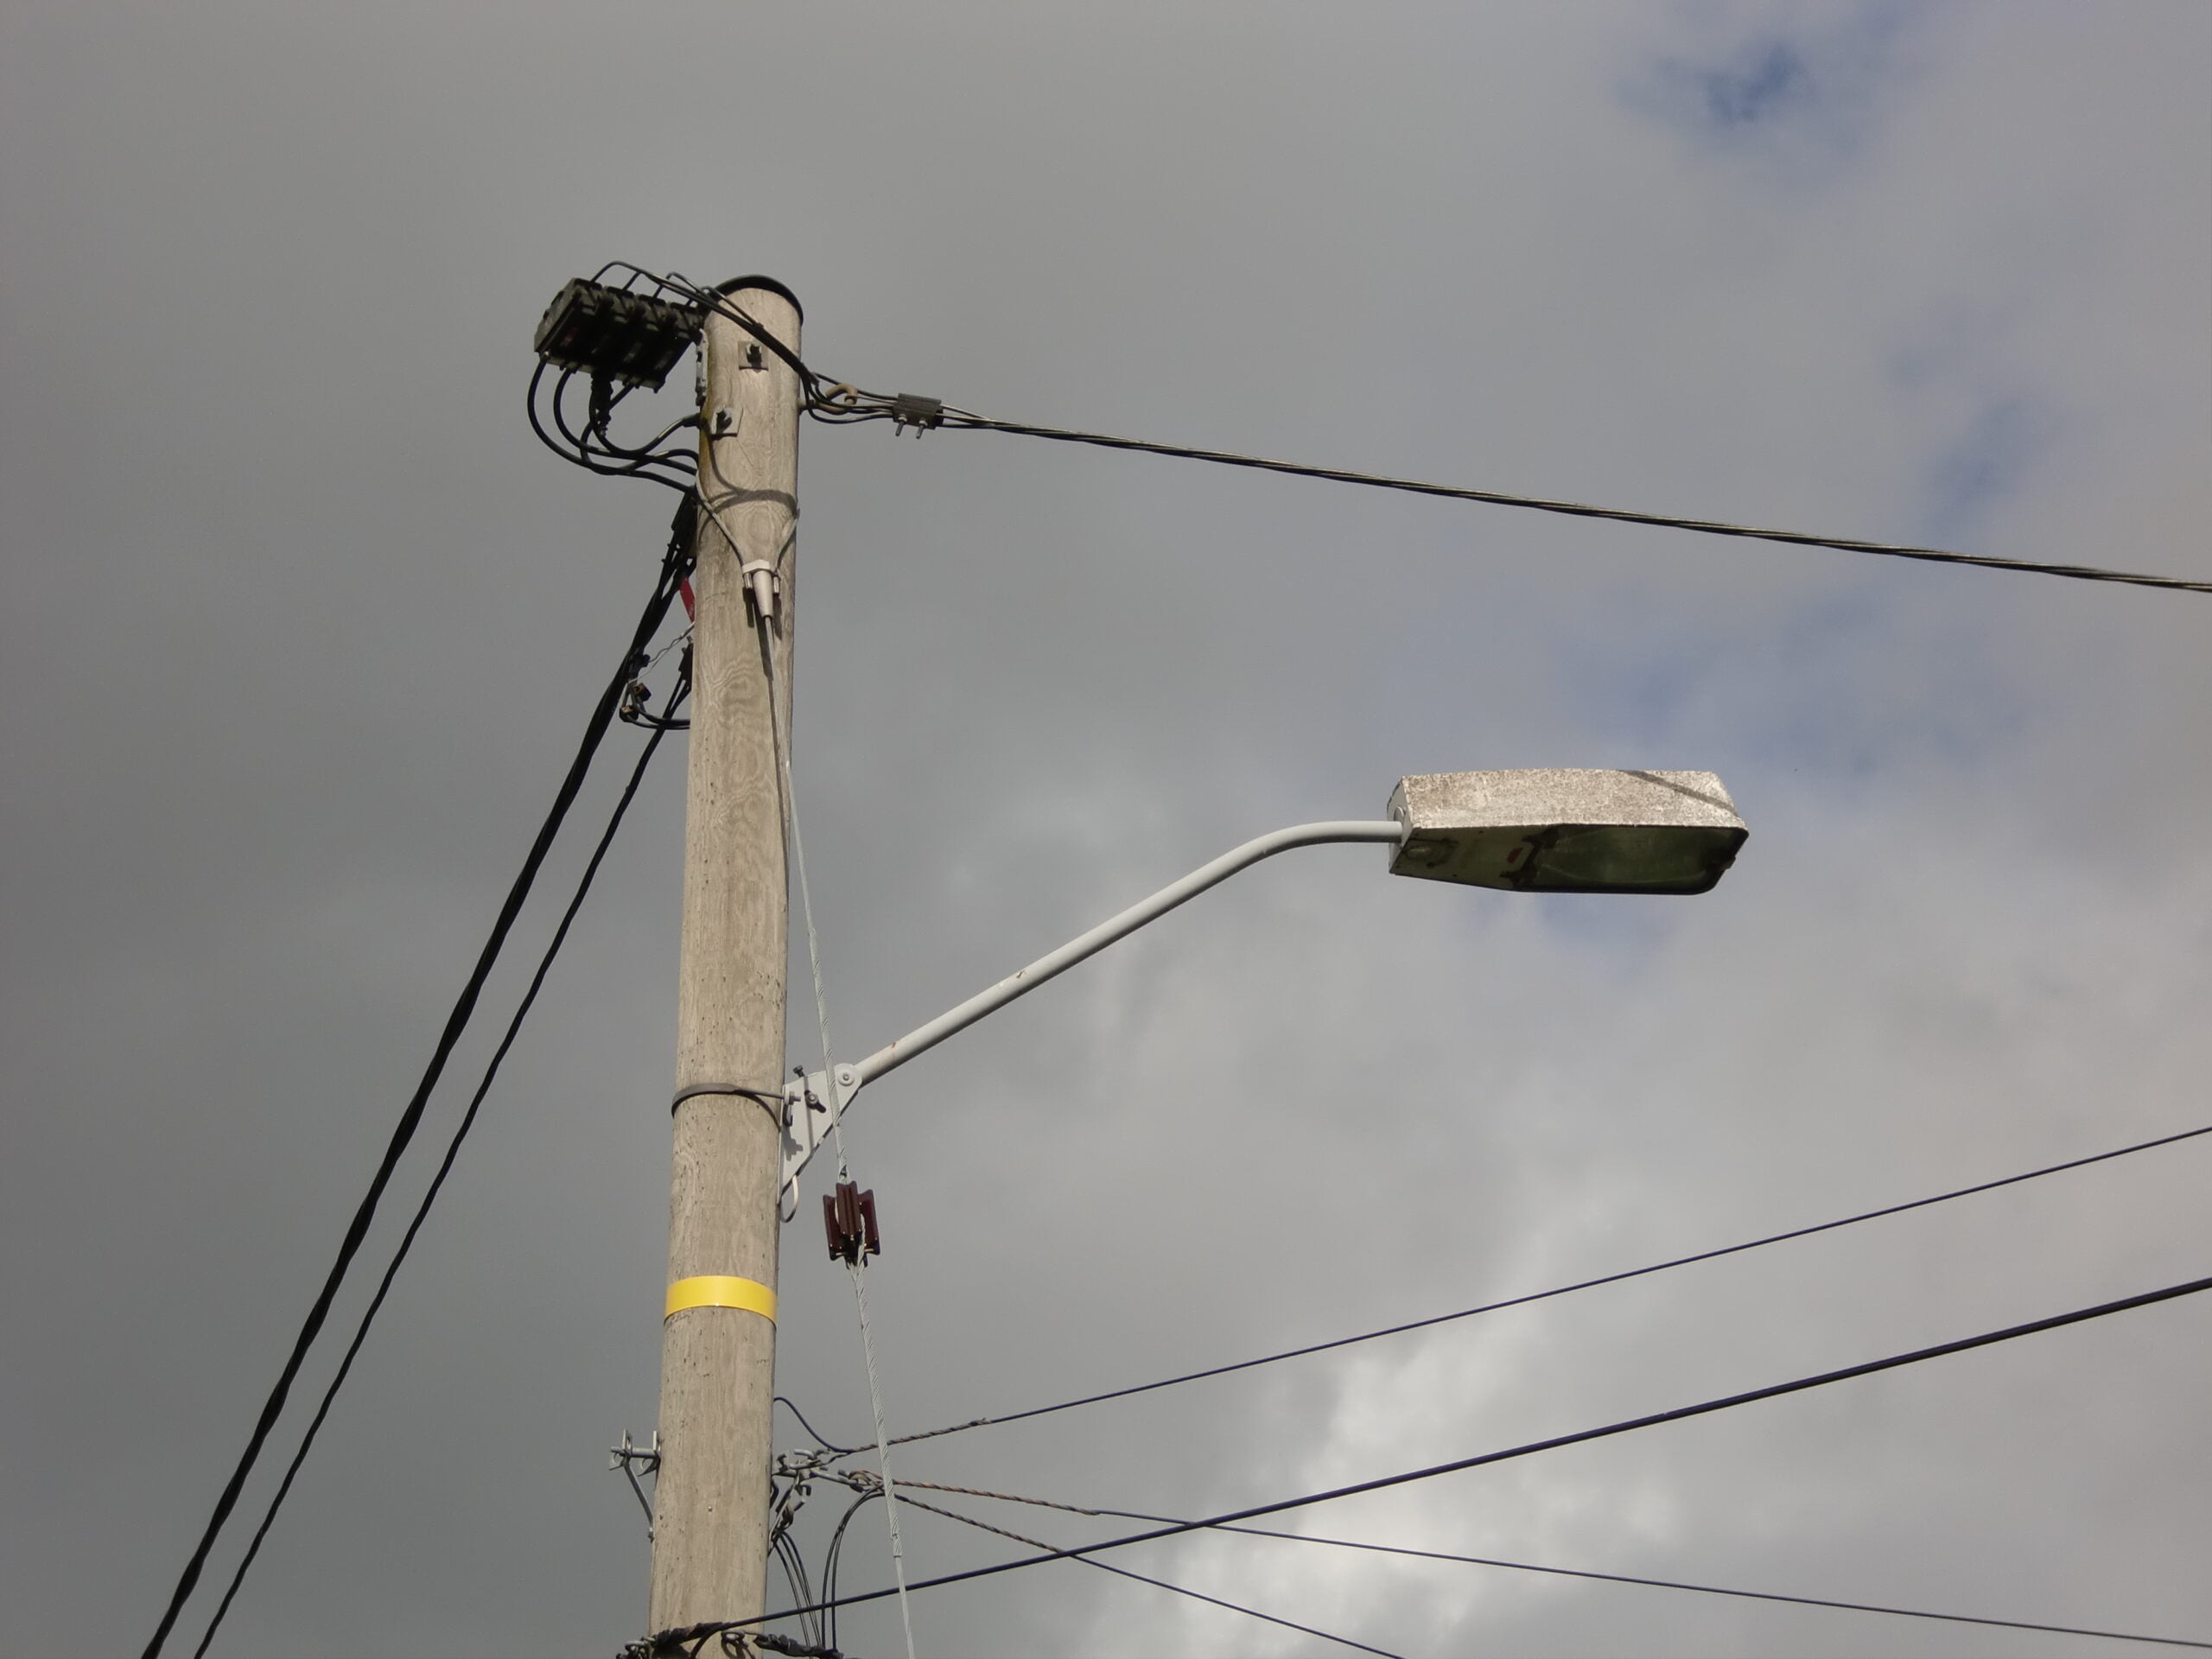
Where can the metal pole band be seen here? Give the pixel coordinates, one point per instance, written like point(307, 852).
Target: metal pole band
point(720, 1290)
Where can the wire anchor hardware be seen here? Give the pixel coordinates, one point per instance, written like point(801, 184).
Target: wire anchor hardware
point(630, 1459)
point(912, 409)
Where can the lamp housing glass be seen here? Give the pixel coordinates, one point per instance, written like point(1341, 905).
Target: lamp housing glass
point(1567, 830)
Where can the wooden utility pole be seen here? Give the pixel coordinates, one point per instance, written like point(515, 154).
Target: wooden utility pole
point(718, 1340)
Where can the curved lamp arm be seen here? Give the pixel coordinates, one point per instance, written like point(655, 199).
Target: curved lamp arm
point(834, 1092)
point(922, 1038)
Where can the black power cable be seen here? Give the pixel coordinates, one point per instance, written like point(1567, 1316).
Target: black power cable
point(403, 1133)
point(1713, 1589)
point(848, 405)
point(1157, 1584)
point(830, 1564)
point(445, 1165)
point(1521, 1566)
point(1773, 1391)
point(1523, 1300)
point(961, 420)
point(594, 451)
point(1601, 1578)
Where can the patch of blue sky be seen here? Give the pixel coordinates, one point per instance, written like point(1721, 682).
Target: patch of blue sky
point(1990, 461)
point(1801, 94)
point(1956, 371)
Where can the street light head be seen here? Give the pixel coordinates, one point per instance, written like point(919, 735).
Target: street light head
point(1559, 829)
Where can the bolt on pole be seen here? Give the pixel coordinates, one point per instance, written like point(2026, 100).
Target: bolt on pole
point(718, 1340)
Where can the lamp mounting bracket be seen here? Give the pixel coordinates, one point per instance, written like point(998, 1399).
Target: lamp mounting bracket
point(813, 1101)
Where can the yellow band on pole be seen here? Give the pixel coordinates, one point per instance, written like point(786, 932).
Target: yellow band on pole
point(721, 1290)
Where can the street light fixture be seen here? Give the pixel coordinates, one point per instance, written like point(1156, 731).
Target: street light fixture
point(1546, 830)
point(1556, 830)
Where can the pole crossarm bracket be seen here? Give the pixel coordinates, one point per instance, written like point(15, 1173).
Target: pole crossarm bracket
point(814, 1102)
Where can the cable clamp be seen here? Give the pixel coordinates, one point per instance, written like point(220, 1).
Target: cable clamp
point(762, 584)
point(912, 409)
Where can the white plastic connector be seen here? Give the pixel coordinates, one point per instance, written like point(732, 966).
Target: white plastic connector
point(761, 584)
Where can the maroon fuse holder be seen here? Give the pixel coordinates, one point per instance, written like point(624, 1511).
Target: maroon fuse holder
point(848, 1217)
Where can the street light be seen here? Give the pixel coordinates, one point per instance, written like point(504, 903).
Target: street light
point(1555, 830)
point(1546, 830)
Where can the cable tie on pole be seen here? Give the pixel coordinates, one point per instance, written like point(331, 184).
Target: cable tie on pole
point(771, 1099)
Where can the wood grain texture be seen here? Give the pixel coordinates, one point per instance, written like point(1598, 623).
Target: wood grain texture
point(718, 1364)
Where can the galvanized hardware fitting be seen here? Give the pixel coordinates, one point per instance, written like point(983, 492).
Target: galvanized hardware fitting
point(848, 1217)
point(911, 408)
point(630, 1459)
point(762, 585)
point(812, 1102)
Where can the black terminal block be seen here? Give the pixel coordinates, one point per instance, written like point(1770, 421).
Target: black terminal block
point(614, 334)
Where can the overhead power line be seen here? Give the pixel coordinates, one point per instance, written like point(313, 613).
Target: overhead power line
point(1721, 1590)
point(602, 715)
point(849, 406)
point(1533, 1296)
point(961, 420)
point(1563, 1572)
point(1157, 1584)
point(1457, 1465)
point(445, 1165)
point(844, 405)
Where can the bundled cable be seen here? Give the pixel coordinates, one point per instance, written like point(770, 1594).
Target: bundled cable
point(672, 571)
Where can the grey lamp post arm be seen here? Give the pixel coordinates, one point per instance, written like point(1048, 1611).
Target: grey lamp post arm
point(821, 1096)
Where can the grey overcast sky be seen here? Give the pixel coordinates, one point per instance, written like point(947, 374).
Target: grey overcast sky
point(301, 626)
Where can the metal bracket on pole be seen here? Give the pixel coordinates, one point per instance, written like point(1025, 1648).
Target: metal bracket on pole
point(630, 1458)
point(812, 1103)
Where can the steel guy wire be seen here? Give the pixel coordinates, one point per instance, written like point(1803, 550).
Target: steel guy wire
point(777, 707)
point(1457, 1465)
point(661, 656)
point(1564, 1571)
point(883, 1451)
